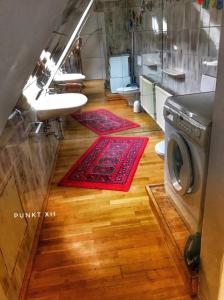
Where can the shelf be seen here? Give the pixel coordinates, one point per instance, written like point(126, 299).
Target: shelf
point(152, 65)
point(174, 73)
point(213, 63)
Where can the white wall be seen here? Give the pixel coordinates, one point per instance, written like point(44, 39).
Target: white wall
point(25, 27)
point(211, 277)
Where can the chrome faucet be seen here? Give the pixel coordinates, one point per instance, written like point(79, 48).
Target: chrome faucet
point(16, 113)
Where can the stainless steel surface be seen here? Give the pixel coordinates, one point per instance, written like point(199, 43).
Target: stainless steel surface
point(35, 128)
point(197, 106)
point(188, 127)
point(192, 115)
point(16, 113)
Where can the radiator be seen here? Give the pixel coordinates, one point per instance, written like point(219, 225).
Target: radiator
point(147, 96)
point(161, 95)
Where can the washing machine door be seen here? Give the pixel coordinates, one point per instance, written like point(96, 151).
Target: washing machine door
point(179, 164)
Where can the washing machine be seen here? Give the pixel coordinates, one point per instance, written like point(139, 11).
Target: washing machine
point(188, 122)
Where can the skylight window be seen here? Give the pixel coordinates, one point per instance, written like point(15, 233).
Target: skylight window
point(155, 24)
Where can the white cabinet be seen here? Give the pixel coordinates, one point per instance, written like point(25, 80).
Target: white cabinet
point(119, 72)
point(147, 96)
point(161, 96)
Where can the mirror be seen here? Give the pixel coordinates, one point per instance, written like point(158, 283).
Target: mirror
point(57, 43)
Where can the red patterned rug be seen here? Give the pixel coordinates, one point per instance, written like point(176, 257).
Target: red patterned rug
point(103, 122)
point(110, 164)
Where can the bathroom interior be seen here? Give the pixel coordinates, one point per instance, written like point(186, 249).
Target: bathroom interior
point(111, 150)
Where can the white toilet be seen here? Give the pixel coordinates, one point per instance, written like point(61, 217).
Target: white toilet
point(120, 80)
point(131, 93)
point(128, 90)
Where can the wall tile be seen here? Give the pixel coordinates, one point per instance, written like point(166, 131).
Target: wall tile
point(184, 32)
point(215, 17)
point(205, 17)
point(214, 39)
point(192, 14)
point(29, 160)
point(203, 42)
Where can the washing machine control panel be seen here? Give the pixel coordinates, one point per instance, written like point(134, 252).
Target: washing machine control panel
point(187, 125)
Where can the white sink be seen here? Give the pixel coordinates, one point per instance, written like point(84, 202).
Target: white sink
point(71, 77)
point(55, 105)
point(52, 106)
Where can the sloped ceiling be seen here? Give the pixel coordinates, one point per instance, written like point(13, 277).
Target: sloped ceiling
point(25, 29)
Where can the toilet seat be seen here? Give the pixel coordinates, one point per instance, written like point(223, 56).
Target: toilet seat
point(128, 90)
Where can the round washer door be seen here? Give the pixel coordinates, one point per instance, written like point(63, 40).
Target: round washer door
point(179, 164)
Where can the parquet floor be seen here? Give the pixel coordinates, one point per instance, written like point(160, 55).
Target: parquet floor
point(105, 245)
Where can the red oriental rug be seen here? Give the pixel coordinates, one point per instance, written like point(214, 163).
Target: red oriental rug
point(103, 122)
point(110, 164)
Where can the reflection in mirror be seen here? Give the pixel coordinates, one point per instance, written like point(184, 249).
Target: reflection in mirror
point(60, 37)
point(73, 63)
point(57, 44)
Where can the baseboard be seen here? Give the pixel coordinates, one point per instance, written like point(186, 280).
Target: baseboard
point(28, 271)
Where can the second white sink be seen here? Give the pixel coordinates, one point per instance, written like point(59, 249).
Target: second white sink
point(69, 77)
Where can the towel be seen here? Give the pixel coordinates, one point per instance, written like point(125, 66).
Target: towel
point(219, 4)
point(206, 4)
point(213, 3)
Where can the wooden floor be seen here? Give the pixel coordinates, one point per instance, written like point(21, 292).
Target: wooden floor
point(105, 245)
point(176, 231)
